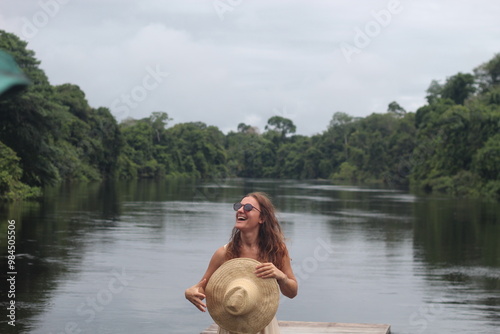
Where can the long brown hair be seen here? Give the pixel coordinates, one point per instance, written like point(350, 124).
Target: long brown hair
point(272, 246)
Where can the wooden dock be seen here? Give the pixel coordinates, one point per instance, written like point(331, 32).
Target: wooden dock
point(300, 327)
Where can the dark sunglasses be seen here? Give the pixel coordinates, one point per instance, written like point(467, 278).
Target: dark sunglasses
point(247, 207)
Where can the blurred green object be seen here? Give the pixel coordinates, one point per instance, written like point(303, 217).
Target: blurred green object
point(11, 76)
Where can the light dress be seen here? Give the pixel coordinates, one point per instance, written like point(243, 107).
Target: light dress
point(272, 328)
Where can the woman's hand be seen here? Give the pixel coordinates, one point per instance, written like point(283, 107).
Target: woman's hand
point(195, 295)
point(286, 281)
point(269, 270)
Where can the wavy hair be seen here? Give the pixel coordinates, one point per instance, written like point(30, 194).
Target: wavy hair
point(272, 247)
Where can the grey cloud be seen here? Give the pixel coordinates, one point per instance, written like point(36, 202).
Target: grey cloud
point(263, 58)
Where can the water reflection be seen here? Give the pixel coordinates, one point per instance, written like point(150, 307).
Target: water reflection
point(458, 232)
point(458, 240)
point(422, 264)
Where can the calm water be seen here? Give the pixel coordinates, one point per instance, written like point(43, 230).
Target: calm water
point(116, 258)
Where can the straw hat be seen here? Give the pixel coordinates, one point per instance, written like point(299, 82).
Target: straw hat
point(238, 300)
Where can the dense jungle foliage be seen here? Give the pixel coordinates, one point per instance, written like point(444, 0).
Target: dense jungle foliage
point(50, 134)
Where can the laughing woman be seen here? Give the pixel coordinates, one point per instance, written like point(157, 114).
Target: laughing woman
point(257, 235)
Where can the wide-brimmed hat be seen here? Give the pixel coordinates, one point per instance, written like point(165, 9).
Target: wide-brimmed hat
point(238, 300)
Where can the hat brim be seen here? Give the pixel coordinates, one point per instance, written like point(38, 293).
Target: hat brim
point(254, 321)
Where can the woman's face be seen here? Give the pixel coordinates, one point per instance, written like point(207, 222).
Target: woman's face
point(248, 220)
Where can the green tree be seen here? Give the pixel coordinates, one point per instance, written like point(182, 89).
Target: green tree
point(244, 128)
point(29, 120)
point(53, 130)
point(281, 125)
point(198, 149)
point(291, 162)
point(396, 109)
point(486, 161)
point(433, 91)
point(73, 97)
point(341, 126)
point(458, 88)
point(455, 150)
point(139, 138)
point(108, 141)
point(488, 74)
point(347, 173)
point(11, 187)
point(159, 121)
point(246, 152)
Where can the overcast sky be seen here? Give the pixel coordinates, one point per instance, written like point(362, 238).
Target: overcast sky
point(224, 62)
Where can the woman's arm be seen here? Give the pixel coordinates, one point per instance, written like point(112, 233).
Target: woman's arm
point(285, 277)
point(196, 293)
point(288, 284)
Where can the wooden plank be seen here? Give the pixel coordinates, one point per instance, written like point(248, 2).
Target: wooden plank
point(301, 327)
point(332, 327)
point(211, 330)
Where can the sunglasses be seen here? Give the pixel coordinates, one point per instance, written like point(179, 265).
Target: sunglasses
point(247, 207)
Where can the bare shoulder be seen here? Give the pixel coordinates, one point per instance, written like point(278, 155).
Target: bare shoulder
point(217, 260)
point(219, 257)
point(220, 253)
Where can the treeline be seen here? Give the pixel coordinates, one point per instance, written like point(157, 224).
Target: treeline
point(49, 134)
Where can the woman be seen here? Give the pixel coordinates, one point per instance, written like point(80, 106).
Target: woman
point(257, 235)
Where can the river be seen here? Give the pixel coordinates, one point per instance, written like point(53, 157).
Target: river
point(117, 257)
